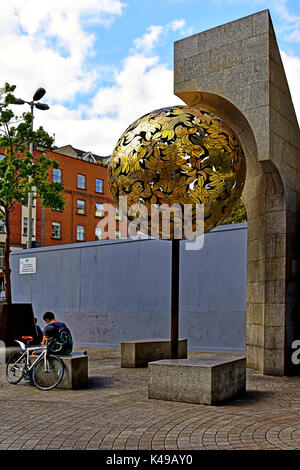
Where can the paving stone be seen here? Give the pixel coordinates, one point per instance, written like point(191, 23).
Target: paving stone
point(119, 415)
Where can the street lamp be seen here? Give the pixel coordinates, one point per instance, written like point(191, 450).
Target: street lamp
point(40, 92)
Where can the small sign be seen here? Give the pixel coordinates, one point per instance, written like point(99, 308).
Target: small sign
point(27, 265)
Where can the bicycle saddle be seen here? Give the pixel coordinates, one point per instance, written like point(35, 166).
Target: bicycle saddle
point(28, 338)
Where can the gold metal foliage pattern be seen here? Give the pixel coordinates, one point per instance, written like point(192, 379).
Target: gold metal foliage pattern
point(179, 155)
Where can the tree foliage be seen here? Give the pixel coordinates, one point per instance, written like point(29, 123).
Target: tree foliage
point(21, 172)
point(18, 164)
point(237, 215)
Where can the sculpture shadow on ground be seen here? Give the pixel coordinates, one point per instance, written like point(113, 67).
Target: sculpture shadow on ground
point(250, 397)
point(95, 382)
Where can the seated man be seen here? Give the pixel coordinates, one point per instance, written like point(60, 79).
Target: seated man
point(39, 331)
point(58, 335)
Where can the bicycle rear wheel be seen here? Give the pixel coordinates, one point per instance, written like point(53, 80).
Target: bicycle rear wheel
point(15, 367)
point(47, 373)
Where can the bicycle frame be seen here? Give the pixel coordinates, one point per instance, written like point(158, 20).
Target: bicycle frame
point(26, 354)
point(45, 369)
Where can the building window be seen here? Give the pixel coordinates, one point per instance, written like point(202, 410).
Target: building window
point(80, 233)
point(118, 234)
point(56, 230)
point(80, 206)
point(33, 200)
point(98, 233)
point(99, 185)
point(99, 212)
point(2, 226)
point(57, 176)
point(1, 257)
point(25, 226)
point(80, 181)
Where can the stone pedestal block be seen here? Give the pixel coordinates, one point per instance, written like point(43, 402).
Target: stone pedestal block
point(139, 353)
point(75, 370)
point(207, 380)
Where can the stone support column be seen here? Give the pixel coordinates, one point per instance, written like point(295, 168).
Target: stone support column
point(235, 70)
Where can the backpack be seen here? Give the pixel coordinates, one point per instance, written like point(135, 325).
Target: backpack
point(64, 342)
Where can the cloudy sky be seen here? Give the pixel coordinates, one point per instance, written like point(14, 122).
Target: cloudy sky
point(104, 63)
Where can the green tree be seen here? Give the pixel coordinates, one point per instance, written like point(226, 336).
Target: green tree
point(237, 215)
point(21, 172)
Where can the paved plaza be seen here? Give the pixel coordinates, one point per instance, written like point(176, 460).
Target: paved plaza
point(114, 413)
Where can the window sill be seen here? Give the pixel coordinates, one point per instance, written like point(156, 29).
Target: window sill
point(56, 238)
point(80, 213)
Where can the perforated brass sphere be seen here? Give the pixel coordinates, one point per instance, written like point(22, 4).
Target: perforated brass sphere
point(179, 155)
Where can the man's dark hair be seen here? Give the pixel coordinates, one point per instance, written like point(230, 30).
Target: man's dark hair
point(48, 316)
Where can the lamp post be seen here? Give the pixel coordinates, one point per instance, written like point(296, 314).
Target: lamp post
point(40, 92)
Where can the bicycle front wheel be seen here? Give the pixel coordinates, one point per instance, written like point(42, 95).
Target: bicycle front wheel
point(15, 368)
point(48, 372)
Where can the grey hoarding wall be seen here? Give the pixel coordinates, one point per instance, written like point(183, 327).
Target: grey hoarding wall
point(119, 290)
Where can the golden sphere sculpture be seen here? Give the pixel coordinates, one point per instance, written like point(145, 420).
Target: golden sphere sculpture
point(179, 155)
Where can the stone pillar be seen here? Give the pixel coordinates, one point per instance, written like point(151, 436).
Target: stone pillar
point(235, 70)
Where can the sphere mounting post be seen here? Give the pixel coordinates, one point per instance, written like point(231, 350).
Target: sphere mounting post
point(175, 297)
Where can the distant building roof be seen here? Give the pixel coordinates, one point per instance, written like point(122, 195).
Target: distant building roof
point(71, 151)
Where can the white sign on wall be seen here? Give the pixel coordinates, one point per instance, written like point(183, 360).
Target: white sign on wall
point(27, 265)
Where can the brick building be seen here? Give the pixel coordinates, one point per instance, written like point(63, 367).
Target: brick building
point(84, 176)
point(16, 236)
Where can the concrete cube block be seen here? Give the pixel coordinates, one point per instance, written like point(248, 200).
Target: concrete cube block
point(207, 380)
point(75, 370)
point(139, 353)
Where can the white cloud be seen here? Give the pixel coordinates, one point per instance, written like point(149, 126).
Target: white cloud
point(155, 34)
point(46, 44)
point(289, 22)
point(292, 68)
point(180, 25)
point(148, 41)
point(177, 24)
point(294, 36)
point(142, 85)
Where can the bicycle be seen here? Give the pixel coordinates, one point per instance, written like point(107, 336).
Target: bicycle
point(47, 370)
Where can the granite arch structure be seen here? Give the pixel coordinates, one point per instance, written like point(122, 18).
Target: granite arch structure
point(236, 72)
